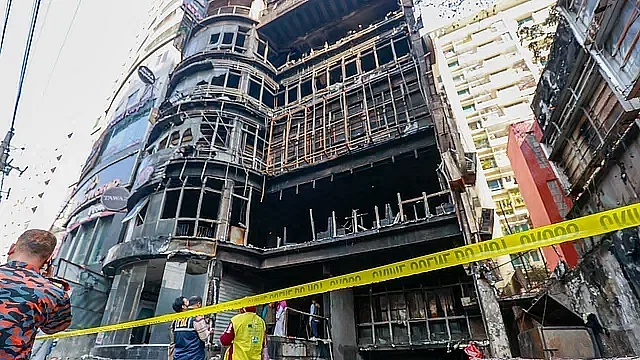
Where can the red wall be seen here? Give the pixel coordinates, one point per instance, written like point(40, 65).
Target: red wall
point(533, 178)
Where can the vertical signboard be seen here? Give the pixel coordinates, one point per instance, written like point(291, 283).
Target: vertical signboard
point(194, 11)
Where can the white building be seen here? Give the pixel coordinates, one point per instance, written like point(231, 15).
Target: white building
point(489, 76)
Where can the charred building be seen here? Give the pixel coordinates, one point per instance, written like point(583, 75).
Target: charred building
point(587, 104)
point(299, 140)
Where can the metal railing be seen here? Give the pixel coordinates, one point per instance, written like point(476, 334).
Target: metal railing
point(303, 331)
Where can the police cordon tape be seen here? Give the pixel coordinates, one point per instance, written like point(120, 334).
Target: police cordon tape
point(590, 225)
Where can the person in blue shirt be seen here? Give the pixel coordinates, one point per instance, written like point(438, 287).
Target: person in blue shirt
point(191, 334)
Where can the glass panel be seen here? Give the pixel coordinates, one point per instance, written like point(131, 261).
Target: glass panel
point(385, 55)
point(438, 330)
point(365, 335)
point(214, 39)
point(400, 334)
point(419, 332)
point(233, 81)
point(83, 243)
point(101, 234)
point(292, 94)
point(254, 89)
point(368, 62)
point(129, 300)
point(351, 69)
point(227, 38)
point(459, 329)
point(382, 334)
point(401, 47)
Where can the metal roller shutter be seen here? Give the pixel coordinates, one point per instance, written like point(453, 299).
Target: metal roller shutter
point(232, 286)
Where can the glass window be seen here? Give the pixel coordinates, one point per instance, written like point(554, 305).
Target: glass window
point(463, 92)
point(127, 132)
point(187, 137)
point(350, 69)
point(83, 243)
point(174, 138)
point(101, 234)
point(469, 109)
point(267, 98)
point(132, 98)
point(495, 185)
point(453, 64)
point(240, 40)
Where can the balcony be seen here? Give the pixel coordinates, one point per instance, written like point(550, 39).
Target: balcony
point(501, 141)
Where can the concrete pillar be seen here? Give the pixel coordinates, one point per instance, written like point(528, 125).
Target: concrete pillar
point(224, 214)
point(343, 325)
point(496, 331)
point(172, 283)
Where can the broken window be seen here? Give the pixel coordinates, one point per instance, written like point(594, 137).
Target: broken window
point(187, 137)
point(214, 39)
point(227, 39)
point(170, 207)
point(292, 94)
point(233, 80)
point(305, 88)
point(163, 143)
point(350, 68)
point(219, 76)
point(255, 87)
point(335, 74)
point(189, 206)
point(385, 54)
point(241, 39)
point(367, 61)
point(174, 138)
point(401, 47)
point(267, 98)
point(321, 80)
point(262, 49)
point(280, 99)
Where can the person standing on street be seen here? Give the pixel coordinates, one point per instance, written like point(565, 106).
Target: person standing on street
point(269, 317)
point(191, 334)
point(28, 300)
point(314, 321)
point(281, 319)
point(179, 305)
point(246, 337)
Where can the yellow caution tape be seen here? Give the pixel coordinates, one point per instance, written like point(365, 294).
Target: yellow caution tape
point(590, 225)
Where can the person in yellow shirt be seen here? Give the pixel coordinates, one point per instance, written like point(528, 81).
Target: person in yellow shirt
point(246, 337)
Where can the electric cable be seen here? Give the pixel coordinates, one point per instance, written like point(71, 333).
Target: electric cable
point(64, 42)
point(6, 22)
point(23, 72)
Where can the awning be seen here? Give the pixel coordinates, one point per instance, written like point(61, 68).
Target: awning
point(136, 209)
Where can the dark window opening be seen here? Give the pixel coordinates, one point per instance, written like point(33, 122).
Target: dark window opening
point(214, 39)
point(267, 98)
point(321, 81)
point(187, 137)
point(238, 211)
point(141, 215)
point(233, 81)
point(240, 40)
point(227, 38)
point(189, 206)
point(222, 137)
point(170, 204)
point(401, 47)
point(368, 62)
point(218, 77)
point(385, 55)
point(351, 69)
point(254, 88)
point(335, 75)
point(175, 138)
point(292, 94)
point(306, 89)
point(163, 143)
point(262, 48)
point(280, 99)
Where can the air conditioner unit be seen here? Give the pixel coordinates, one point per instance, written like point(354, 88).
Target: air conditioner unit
point(456, 183)
point(469, 175)
point(486, 222)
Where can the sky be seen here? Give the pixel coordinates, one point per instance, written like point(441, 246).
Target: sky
point(66, 87)
point(78, 55)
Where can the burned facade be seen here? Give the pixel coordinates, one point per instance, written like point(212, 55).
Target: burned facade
point(587, 106)
point(299, 140)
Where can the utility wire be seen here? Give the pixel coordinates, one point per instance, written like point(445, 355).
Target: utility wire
point(64, 42)
point(23, 72)
point(6, 22)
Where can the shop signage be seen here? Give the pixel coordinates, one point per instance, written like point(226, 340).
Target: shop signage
point(146, 75)
point(115, 199)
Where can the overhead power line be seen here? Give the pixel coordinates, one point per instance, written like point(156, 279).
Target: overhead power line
point(6, 167)
point(6, 22)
